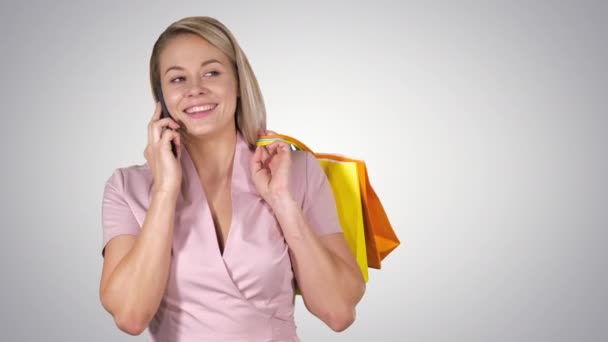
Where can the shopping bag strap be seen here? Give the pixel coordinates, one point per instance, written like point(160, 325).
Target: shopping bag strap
point(295, 143)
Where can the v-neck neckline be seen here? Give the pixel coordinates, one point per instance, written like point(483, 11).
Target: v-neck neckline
point(217, 229)
point(195, 185)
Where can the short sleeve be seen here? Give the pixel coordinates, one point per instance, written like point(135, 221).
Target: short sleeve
point(319, 205)
point(116, 216)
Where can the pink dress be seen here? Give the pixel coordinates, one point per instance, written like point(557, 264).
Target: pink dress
point(244, 294)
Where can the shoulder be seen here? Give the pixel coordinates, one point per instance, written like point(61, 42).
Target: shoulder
point(301, 162)
point(132, 179)
point(298, 158)
point(299, 174)
point(307, 173)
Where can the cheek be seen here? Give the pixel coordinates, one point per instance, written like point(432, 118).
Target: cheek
point(228, 92)
point(228, 88)
point(172, 98)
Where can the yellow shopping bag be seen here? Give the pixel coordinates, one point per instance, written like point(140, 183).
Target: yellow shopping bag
point(344, 180)
point(365, 224)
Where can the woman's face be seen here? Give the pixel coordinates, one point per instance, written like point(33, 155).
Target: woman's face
point(199, 85)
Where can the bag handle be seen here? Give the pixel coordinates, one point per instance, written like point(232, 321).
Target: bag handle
point(295, 143)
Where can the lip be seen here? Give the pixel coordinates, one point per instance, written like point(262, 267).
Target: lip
point(198, 115)
point(198, 104)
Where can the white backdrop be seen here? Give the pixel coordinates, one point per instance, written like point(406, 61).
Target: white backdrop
point(483, 126)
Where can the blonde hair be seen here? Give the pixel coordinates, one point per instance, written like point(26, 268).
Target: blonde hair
point(250, 109)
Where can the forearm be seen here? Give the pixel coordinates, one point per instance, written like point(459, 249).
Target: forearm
point(328, 284)
point(138, 282)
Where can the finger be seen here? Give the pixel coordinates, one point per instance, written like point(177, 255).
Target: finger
point(259, 159)
point(268, 132)
point(157, 111)
point(256, 160)
point(276, 146)
point(161, 125)
point(155, 117)
point(257, 164)
point(178, 145)
point(283, 149)
point(271, 147)
point(265, 156)
point(166, 122)
point(168, 136)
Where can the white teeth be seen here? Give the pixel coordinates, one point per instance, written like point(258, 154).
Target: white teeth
point(200, 108)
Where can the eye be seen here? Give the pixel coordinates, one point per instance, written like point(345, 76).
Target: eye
point(177, 79)
point(212, 73)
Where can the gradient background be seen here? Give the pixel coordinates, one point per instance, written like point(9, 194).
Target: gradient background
point(483, 125)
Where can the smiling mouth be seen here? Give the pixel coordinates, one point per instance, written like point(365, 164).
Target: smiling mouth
point(200, 109)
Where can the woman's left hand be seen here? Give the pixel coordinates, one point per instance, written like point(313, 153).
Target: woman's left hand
point(270, 168)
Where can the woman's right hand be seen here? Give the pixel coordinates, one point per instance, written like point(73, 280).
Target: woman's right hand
point(166, 169)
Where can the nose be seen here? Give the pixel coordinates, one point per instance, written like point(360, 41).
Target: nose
point(197, 87)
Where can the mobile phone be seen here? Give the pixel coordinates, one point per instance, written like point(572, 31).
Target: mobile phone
point(165, 114)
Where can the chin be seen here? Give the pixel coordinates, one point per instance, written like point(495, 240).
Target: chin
point(202, 131)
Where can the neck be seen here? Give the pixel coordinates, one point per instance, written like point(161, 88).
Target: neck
point(212, 156)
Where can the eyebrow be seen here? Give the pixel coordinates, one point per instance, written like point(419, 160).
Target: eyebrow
point(202, 65)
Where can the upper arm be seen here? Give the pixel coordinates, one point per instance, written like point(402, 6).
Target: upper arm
point(339, 247)
point(115, 251)
point(321, 211)
point(319, 204)
point(119, 226)
point(117, 218)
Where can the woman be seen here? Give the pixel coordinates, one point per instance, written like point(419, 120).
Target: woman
point(210, 245)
